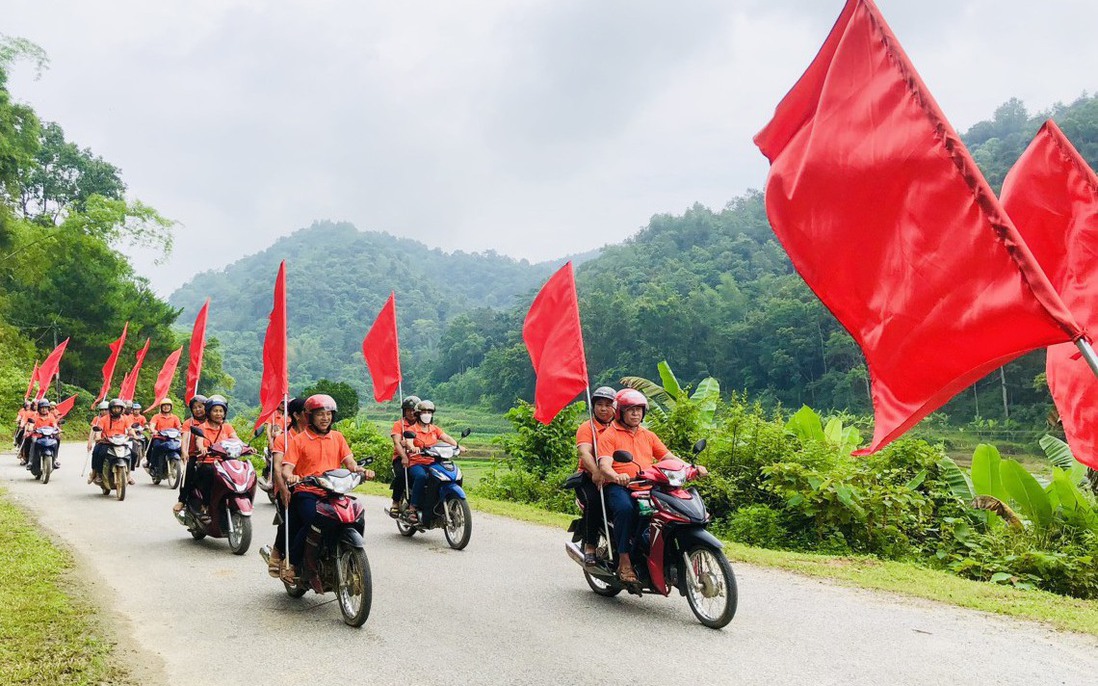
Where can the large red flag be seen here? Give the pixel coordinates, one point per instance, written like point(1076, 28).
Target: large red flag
point(166, 376)
point(1051, 195)
point(197, 348)
point(108, 367)
point(33, 380)
point(381, 348)
point(65, 406)
point(276, 377)
point(129, 385)
point(49, 368)
point(554, 340)
point(887, 218)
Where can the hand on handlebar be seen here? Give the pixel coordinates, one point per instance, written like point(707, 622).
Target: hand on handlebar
point(293, 480)
point(621, 479)
point(702, 471)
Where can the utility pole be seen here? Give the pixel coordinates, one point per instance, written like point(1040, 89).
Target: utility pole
point(1002, 380)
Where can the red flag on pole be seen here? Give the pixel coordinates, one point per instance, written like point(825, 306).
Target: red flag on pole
point(554, 340)
point(887, 218)
point(276, 378)
point(197, 348)
point(108, 367)
point(1051, 195)
point(166, 376)
point(49, 368)
point(381, 349)
point(33, 380)
point(129, 386)
point(65, 406)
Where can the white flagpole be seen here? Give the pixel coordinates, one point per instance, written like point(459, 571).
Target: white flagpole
point(1088, 354)
point(285, 448)
point(407, 486)
point(595, 448)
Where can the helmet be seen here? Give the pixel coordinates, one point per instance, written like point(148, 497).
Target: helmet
point(43, 403)
point(53, 404)
point(320, 401)
point(129, 404)
point(137, 406)
point(216, 401)
point(410, 403)
point(200, 399)
point(103, 405)
point(425, 406)
point(296, 406)
point(165, 401)
point(604, 392)
point(626, 398)
point(116, 402)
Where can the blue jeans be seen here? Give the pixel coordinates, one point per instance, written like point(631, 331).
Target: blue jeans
point(418, 474)
point(302, 514)
point(623, 513)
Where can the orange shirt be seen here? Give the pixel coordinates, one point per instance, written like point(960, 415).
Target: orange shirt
point(311, 454)
point(214, 434)
point(278, 443)
point(138, 419)
point(113, 427)
point(161, 421)
point(40, 421)
point(583, 437)
point(192, 451)
point(426, 436)
point(645, 446)
point(399, 428)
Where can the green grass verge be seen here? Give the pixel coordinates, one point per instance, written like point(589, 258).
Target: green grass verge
point(46, 635)
point(1069, 614)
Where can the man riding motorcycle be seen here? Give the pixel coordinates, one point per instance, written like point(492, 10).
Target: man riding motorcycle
point(626, 433)
point(43, 418)
point(215, 429)
point(312, 452)
point(297, 422)
point(165, 419)
point(114, 424)
point(400, 451)
point(602, 408)
point(427, 434)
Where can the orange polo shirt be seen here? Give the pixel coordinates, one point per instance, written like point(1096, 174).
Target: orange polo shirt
point(426, 436)
point(645, 446)
point(40, 421)
point(113, 427)
point(399, 428)
point(213, 435)
point(161, 421)
point(584, 437)
point(138, 419)
point(278, 443)
point(311, 454)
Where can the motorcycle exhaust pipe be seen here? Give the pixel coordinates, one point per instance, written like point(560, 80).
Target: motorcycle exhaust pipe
point(181, 516)
point(574, 552)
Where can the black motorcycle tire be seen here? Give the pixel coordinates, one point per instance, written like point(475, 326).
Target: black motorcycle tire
point(355, 617)
point(406, 530)
point(729, 578)
point(454, 540)
point(120, 478)
point(607, 589)
point(47, 468)
point(294, 590)
point(175, 473)
point(244, 539)
point(197, 534)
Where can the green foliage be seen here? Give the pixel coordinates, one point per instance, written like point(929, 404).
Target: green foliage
point(542, 449)
point(758, 525)
point(986, 478)
point(345, 396)
point(367, 441)
point(1060, 454)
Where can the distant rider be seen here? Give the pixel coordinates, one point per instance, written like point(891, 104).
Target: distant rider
point(602, 407)
point(400, 451)
point(278, 482)
point(161, 421)
point(427, 434)
point(114, 424)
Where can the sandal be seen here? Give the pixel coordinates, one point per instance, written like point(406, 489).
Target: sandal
point(394, 511)
point(590, 560)
point(412, 516)
point(274, 566)
point(288, 574)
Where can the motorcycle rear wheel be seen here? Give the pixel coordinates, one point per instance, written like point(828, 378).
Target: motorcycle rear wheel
point(197, 534)
point(459, 528)
point(710, 586)
point(406, 530)
point(355, 587)
point(295, 590)
point(602, 587)
point(120, 478)
point(174, 474)
point(241, 536)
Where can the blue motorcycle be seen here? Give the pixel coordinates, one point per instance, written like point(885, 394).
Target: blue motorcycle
point(166, 464)
point(444, 501)
point(43, 452)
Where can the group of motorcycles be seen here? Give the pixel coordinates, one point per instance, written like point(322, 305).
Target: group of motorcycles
point(125, 453)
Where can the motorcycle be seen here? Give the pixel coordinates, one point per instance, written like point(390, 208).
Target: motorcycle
point(229, 512)
point(43, 452)
point(341, 563)
point(673, 552)
point(140, 446)
point(115, 473)
point(167, 463)
point(266, 477)
point(444, 501)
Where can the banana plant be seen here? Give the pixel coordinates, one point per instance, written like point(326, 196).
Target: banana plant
point(666, 394)
point(806, 424)
point(1060, 455)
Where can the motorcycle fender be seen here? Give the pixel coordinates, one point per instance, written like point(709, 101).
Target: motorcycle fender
point(351, 537)
point(687, 538)
point(450, 490)
point(243, 506)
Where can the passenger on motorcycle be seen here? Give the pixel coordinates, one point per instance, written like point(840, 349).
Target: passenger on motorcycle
point(21, 422)
point(278, 452)
point(215, 429)
point(602, 407)
point(627, 434)
point(197, 407)
point(165, 419)
point(401, 449)
point(114, 424)
point(43, 418)
point(427, 434)
point(314, 451)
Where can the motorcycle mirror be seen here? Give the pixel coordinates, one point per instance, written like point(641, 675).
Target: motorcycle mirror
point(623, 456)
point(197, 431)
point(366, 461)
point(466, 433)
point(409, 434)
point(700, 446)
point(96, 429)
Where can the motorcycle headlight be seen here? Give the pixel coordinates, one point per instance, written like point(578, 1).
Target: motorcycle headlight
point(675, 477)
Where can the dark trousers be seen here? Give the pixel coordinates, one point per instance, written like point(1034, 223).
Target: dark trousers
point(400, 487)
point(588, 493)
point(280, 528)
point(302, 514)
point(99, 454)
point(418, 474)
point(623, 512)
point(198, 476)
point(154, 458)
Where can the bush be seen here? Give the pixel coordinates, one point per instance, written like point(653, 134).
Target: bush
point(758, 525)
point(367, 441)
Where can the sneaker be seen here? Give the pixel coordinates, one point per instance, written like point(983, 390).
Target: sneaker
point(57, 464)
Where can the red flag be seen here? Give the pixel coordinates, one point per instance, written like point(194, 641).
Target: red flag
point(276, 376)
point(887, 218)
point(65, 406)
point(381, 349)
point(1051, 195)
point(108, 367)
point(33, 380)
point(166, 376)
point(554, 340)
point(129, 385)
point(49, 368)
point(198, 346)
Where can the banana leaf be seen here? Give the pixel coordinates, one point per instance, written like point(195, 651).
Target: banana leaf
point(670, 383)
point(1026, 492)
point(1064, 493)
point(986, 479)
point(707, 395)
point(957, 479)
point(993, 504)
point(806, 425)
point(651, 390)
point(1059, 454)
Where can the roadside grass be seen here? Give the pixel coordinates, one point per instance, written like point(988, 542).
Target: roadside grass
point(46, 635)
point(904, 578)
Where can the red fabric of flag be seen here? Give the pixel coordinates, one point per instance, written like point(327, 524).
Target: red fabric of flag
point(33, 380)
point(1051, 195)
point(276, 377)
point(887, 218)
point(49, 368)
point(65, 406)
point(554, 340)
point(197, 348)
point(166, 376)
point(129, 385)
point(381, 350)
point(112, 361)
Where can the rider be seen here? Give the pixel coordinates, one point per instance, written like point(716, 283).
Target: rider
point(24, 414)
point(215, 429)
point(138, 419)
point(43, 418)
point(427, 434)
point(400, 451)
point(114, 424)
point(602, 408)
point(161, 421)
point(278, 482)
point(626, 433)
point(314, 451)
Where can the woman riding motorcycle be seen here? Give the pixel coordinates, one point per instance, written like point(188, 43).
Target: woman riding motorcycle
point(114, 424)
point(43, 418)
point(400, 450)
point(602, 408)
point(277, 447)
point(627, 434)
point(164, 419)
point(215, 429)
point(427, 434)
point(312, 452)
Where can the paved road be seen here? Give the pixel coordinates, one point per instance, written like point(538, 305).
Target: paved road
point(510, 609)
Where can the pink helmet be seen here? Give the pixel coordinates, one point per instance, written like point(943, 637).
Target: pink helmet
point(626, 398)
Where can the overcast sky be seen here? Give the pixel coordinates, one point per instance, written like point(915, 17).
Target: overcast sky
point(536, 128)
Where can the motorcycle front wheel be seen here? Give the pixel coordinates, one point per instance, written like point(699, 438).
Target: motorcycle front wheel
point(175, 472)
point(710, 586)
point(355, 589)
point(47, 468)
point(241, 535)
point(459, 523)
point(120, 478)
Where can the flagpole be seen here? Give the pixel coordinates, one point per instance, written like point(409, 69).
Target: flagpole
point(595, 448)
point(1088, 354)
point(285, 449)
point(407, 486)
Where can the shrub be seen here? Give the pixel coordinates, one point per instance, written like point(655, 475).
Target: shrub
point(758, 525)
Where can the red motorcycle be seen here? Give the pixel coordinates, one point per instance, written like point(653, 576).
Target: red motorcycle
point(229, 512)
point(673, 550)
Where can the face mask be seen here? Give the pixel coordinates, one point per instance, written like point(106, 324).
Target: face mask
point(426, 417)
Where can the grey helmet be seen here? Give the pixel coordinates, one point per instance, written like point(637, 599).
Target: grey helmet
point(604, 392)
point(103, 405)
point(410, 402)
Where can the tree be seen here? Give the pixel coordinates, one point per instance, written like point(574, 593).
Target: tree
point(346, 398)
